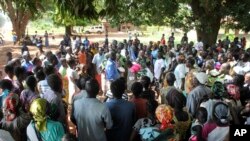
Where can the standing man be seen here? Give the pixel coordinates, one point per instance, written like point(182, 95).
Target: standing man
point(92, 116)
point(111, 70)
point(46, 36)
point(171, 40)
point(97, 61)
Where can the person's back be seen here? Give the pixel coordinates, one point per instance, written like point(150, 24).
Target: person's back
point(123, 121)
point(140, 103)
point(91, 115)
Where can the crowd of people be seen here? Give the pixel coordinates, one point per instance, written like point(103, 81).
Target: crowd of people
point(126, 91)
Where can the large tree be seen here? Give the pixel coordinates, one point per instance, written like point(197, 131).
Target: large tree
point(20, 12)
point(208, 16)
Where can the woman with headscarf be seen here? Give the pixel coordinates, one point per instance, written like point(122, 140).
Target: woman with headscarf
point(14, 120)
point(218, 129)
point(181, 119)
point(208, 102)
point(41, 128)
point(165, 114)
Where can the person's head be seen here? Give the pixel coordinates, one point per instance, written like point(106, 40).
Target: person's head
point(72, 63)
point(9, 70)
point(9, 55)
point(151, 108)
point(201, 115)
point(200, 78)
point(129, 64)
point(63, 62)
point(49, 69)
point(6, 84)
point(55, 83)
point(118, 88)
point(225, 68)
point(190, 62)
point(221, 114)
point(10, 107)
point(113, 56)
point(176, 99)
point(38, 110)
point(209, 65)
point(145, 81)
point(169, 79)
point(92, 88)
point(53, 60)
point(39, 74)
point(245, 57)
point(238, 80)
point(20, 73)
point(82, 81)
point(101, 50)
point(247, 78)
point(218, 90)
point(164, 114)
point(160, 55)
point(136, 89)
point(37, 62)
point(31, 82)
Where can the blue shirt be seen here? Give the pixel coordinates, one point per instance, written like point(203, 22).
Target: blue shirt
point(123, 116)
point(111, 70)
point(27, 65)
point(3, 96)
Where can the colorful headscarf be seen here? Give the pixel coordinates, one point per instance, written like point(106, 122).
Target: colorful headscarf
point(10, 107)
point(164, 114)
point(38, 109)
point(218, 89)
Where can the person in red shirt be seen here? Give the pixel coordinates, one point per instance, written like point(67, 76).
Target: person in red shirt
point(140, 103)
point(163, 41)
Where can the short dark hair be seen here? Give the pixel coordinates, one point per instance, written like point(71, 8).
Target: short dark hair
point(118, 88)
point(49, 69)
point(191, 60)
point(31, 82)
point(201, 115)
point(19, 71)
point(6, 84)
point(176, 99)
point(136, 88)
point(145, 81)
point(55, 82)
point(92, 87)
point(170, 78)
point(9, 69)
point(80, 83)
point(40, 75)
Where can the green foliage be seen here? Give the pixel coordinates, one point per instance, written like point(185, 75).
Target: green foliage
point(139, 12)
point(182, 19)
point(77, 8)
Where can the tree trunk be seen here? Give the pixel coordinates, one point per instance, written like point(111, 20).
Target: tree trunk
point(208, 31)
point(68, 30)
point(19, 18)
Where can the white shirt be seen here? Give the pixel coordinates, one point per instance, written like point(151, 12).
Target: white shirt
point(199, 46)
point(97, 60)
point(159, 64)
point(72, 74)
point(179, 72)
